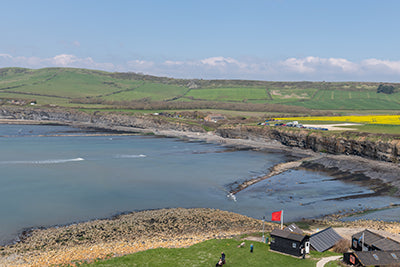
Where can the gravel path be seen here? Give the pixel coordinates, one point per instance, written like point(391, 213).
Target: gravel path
point(324, 261)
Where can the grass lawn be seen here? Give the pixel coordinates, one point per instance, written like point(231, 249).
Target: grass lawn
point(207, 254)
point(376, 128)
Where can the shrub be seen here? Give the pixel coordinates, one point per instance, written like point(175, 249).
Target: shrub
point(386, 89)
point(341, 246)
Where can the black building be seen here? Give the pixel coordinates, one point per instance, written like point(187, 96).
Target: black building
point(370, 241)
point(289, 242)
point(372, 258)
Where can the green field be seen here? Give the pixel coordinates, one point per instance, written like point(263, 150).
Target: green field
point(71, 87)
point(229, 94)
point(153, 91)
point(355, 100)
point(207, 254)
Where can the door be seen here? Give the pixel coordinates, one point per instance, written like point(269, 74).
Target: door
point(307, 246)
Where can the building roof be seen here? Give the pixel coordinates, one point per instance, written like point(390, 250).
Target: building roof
point(288, 235)
point(378, 241)
point(325, 239)
point(386, 244)
point(369, 237)
point(293, 228)
point(378, 258)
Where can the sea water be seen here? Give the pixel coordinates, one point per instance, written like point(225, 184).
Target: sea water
point(52, 175)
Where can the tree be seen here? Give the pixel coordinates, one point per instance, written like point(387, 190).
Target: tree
point(386, 89)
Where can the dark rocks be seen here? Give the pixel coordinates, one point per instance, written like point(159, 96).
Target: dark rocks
point(365, 145)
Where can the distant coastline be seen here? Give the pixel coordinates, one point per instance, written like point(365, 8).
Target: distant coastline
point(384, 175)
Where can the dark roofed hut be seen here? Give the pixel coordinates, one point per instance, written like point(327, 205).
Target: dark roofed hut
point(372, 258)
point(368, 241)
point(289, 242)
point(325, 239)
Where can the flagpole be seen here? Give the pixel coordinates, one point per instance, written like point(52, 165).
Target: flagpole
point(282, 220)
point(263, 237)
point(362, 246)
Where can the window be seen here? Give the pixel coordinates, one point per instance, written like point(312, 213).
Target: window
point(352, 259)
point(376, 257)
point(294, 245)
point(394, 256)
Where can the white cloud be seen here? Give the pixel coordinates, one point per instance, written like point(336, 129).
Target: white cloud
point(376, 64)
point(139, 65)
point(299, 65)
point(76, 43)
point(62, 60)
point(5, 56)
point(292, 69)
point(316, 64)
point(219, 61)
point(174, 63)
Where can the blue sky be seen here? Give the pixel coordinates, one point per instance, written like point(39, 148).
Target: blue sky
point(351, 40)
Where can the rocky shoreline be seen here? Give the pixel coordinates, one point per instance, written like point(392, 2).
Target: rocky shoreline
point(125, 234)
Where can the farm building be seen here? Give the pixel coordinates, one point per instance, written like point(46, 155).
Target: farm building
point(325, 239)
point(372, 258)
point(370, 241)
point(289, 242)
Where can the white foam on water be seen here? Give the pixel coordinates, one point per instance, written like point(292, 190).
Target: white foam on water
point(231, 196)
point(48, 161)
point(129, 156)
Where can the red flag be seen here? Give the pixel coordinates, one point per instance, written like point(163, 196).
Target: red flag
point(276, 216)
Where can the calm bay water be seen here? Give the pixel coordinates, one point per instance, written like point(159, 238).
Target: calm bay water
point(48, 179)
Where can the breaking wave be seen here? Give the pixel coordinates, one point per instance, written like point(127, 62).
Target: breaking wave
point(48, 161)
point(129, 156)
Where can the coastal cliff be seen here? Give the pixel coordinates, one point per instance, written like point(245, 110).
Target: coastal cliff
point(376, 147)
point(371, 146)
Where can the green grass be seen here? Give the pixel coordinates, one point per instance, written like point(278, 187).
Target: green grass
point(228, 94)
point(73, 84)
point(291, 94)
point(207, 254)
point(374, 128)
point(153, 91)
point(354, 100)
point(59, 85)
point(333, 264)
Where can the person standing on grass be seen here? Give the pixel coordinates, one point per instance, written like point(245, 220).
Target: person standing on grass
point(223, 257)
point(251, 248)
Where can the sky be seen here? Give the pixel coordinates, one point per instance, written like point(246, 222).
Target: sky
point(271, 40)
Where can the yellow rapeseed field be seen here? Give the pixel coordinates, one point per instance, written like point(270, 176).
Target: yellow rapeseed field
point(364, 119)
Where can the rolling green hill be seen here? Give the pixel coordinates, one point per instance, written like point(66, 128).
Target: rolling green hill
point(90, 88)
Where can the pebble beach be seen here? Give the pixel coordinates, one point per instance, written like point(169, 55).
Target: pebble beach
point(125, 234)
